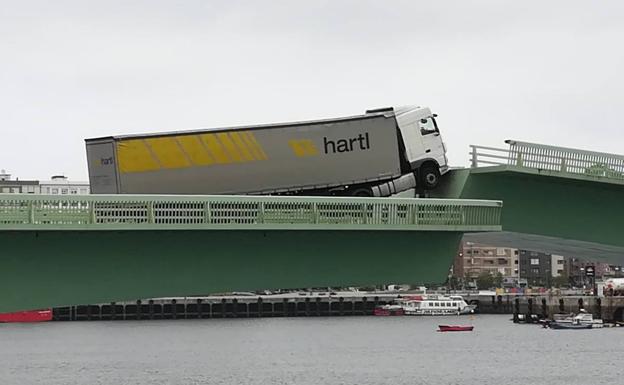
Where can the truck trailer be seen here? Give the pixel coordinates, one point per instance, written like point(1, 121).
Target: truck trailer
point(379, 153)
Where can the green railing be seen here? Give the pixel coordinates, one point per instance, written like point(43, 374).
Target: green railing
point(544, 157)
point(194, 212)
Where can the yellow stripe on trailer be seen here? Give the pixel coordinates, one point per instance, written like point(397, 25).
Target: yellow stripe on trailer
point(134, 156)
point(195, 150)
point(303, 147)
point(216, 149)
point(237, 139)
point(168, 152)
point(261, 155)
point(230, 147)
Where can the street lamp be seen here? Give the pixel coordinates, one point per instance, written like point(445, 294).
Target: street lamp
point(471, 245)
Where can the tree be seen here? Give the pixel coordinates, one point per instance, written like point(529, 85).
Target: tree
point(560, 281)
point(452, 283)
point(498, 279)
point(485, 281)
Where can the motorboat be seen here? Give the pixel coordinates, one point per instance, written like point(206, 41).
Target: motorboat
point(436, 305)
point(27, 316)
point(570, 325)
point(582, 317)
point(388, 310)
point(455, 328)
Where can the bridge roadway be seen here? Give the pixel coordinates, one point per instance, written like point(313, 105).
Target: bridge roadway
point(66, 250)
point(557, 200)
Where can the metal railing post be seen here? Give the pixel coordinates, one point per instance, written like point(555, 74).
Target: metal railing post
point(92, 219)
point(31, 213)
point(150, 212)
point(261, 212)
point(475, 162)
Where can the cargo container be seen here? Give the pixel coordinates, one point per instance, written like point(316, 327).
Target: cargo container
point(380, 153)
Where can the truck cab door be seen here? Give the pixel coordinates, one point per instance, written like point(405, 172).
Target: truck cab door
point(432, 141)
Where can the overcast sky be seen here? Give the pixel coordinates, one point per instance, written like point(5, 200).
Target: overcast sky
point(542, 71)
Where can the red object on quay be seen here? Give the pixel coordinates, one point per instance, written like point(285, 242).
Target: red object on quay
point(455, 328)
point(388, 310)
point(27, 316)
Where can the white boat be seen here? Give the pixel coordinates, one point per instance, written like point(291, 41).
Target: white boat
point(582, 317)
point(436, 305)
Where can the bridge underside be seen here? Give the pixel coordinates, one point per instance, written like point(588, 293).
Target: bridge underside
point(42, 269)
point(580, 216)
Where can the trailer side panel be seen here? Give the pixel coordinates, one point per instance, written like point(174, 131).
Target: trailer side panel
point(259, 160)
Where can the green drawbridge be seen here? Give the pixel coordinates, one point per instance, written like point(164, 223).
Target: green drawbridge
point(67, 250)
point(557, 200)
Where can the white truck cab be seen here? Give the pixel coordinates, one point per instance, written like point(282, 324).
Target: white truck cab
point(424, 148)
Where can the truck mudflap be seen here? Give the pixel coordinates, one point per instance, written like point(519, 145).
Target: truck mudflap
point(402, 183)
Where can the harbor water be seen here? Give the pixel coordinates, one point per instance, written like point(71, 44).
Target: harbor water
point(310, 350)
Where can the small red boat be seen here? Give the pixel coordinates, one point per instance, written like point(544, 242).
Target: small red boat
point(455, 328)
point(388, 310)
point(27, 316)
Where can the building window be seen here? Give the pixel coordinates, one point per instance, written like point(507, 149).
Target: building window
point(83, 191)
point(64, 191)
point(534, 261)
point(535, 271)
point(47, 190)
point(54, 191)
point(73, 191)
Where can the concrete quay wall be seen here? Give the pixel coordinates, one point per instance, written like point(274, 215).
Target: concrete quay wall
point(607, 308)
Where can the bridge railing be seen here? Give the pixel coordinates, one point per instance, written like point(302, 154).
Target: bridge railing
point(106, 212)
point(544, 157)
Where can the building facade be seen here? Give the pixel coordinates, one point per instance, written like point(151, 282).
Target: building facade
point(474, 259)
point(60, 185)
point(57, 185)
point(537, 267)
point(9, 185)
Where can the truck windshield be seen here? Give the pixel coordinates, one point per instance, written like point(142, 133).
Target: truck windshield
point(428, 126)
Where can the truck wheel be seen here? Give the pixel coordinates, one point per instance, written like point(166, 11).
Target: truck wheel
point(429, 176)
point(362, 192)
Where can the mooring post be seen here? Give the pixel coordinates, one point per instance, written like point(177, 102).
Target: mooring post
point(580, 304)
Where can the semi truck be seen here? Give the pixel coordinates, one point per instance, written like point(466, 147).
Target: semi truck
point(380, 153)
